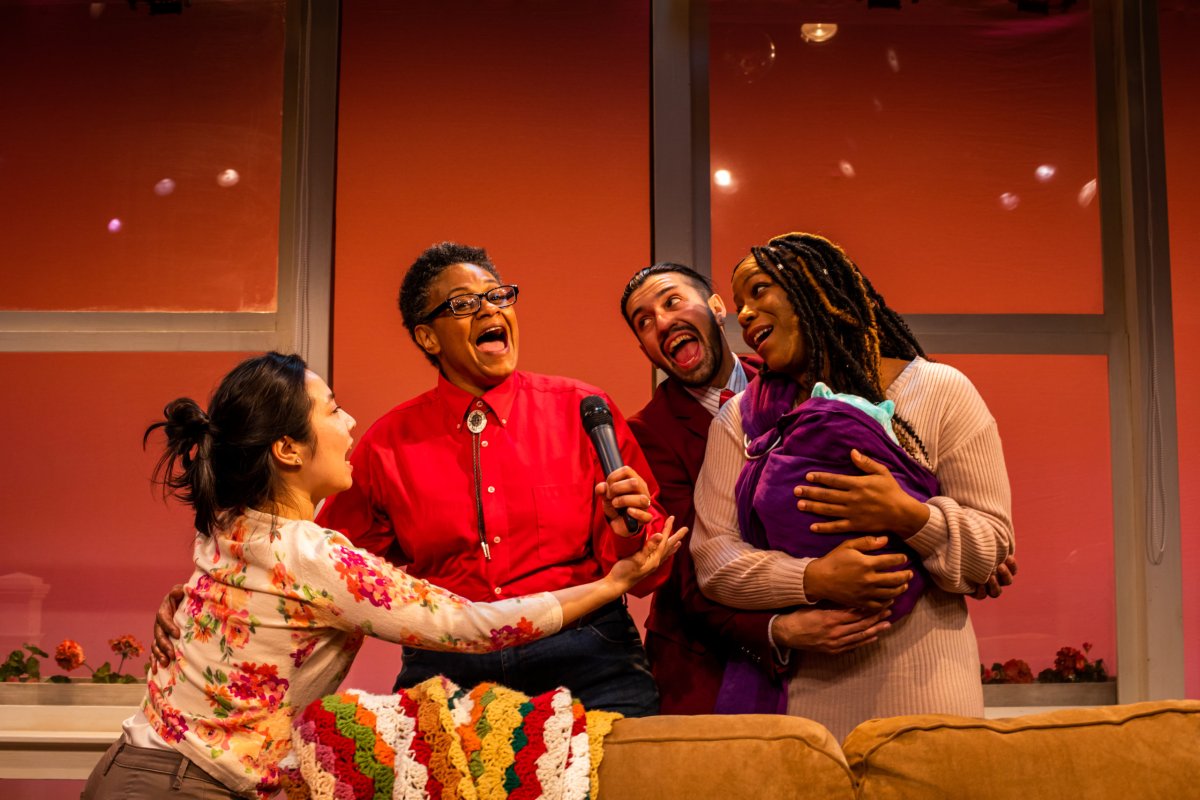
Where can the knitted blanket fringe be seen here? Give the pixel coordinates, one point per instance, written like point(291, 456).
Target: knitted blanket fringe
point(437, 740)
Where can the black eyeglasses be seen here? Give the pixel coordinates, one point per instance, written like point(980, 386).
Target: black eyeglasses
point(464, 305)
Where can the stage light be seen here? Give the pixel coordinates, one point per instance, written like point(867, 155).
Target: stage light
point(818, 32)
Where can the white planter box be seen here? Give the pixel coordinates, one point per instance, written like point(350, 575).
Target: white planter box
point(72, 694)
point(59, 730)
point(1019, 695)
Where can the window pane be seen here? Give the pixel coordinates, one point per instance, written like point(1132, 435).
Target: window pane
point(140, 155)
point(947, 144)
point(1053, 415)
point(1179, 30)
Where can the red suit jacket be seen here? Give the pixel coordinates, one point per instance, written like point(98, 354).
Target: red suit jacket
point(688, 636)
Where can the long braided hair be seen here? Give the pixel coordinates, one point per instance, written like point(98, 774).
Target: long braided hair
point(846, 325)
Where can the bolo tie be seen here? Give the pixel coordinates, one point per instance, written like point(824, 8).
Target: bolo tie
point(476, 422)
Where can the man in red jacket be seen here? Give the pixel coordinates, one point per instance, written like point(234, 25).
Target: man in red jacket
point(677, 320)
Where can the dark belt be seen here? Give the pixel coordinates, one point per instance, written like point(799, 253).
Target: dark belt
point(592, 616)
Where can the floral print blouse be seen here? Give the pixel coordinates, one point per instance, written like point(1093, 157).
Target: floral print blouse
point(272, 617)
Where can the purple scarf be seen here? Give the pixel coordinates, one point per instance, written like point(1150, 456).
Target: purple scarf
point(784, 445)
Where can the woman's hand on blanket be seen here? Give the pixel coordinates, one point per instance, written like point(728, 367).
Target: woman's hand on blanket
point(161, 650)
point(849, 576)
point(828, 630)
point(658, 547)
point(868, 503)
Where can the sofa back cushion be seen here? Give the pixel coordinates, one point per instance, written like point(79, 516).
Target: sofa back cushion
point(1118, 752)
point(749, 756)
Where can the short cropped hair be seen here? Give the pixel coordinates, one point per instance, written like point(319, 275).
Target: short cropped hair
point(701, 283)
point(414, 288)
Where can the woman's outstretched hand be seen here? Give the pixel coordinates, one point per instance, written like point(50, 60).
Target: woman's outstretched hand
point(849, 576)
point(657, 548)
point(869, 503)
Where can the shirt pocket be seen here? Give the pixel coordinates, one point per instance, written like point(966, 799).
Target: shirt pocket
point(564, 522)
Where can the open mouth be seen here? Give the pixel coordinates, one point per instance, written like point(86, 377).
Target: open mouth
point(683, 349)
point(493, 340)
point(756, 337)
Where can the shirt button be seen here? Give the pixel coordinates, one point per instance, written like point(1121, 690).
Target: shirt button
point(496, 590)
point(483, 444)
point(479, 404)
point(503, 422)
point(496, 540)
point(491, 490)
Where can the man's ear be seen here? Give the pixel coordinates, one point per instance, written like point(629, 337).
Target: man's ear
point(718, 307)
point(427, 340)
point(287, 452)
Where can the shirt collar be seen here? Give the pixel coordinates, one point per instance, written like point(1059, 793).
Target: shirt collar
point(497, 401)
point(710, 396)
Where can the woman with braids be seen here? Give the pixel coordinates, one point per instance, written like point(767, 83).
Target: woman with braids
point(277, 607)
point(813, 317)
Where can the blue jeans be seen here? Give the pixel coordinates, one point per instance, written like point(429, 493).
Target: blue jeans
point(602, 662)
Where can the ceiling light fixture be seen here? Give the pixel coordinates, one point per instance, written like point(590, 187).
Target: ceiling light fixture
point(818, 32)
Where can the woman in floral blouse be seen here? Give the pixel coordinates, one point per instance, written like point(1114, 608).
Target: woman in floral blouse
point(277, 607)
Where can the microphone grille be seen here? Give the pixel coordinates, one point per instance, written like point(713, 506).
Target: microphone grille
point(594, 412)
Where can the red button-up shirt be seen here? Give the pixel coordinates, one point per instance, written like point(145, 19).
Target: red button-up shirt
point(413, 498)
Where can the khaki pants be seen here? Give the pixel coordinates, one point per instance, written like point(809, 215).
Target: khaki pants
point(126, 772)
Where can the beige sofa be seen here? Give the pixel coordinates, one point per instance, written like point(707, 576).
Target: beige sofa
point(1128, 752)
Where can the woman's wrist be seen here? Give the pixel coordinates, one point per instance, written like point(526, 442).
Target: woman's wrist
point(914, 517)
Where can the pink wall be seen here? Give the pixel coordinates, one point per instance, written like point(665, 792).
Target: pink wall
point(81, 514)
point(522, 129)
point(1179, 27)
point(1053, 416)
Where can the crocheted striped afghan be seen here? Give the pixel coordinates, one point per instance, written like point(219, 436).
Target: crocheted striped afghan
point(437, 740)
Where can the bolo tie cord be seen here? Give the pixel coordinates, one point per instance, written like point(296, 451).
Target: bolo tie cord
point(476, 422)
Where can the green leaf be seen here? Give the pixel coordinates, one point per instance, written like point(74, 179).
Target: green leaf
point(37, 651)
point(33, 669)
point(58, 679)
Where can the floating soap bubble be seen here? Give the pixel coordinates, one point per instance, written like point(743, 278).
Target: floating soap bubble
point(228, 177)
point(164, 187)
point(1087, 193)
point(115, 225)
point(1045, 172)
point(893, 59)
point(1009, 201)
point(846, 168)
point(750, 55)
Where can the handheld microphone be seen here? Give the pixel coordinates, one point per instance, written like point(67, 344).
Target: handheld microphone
point(598, 422)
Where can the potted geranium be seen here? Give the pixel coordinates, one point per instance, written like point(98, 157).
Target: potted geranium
point(1073, 680)
point(22, 682)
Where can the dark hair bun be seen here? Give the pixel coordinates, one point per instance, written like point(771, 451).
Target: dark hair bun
point(186, 425)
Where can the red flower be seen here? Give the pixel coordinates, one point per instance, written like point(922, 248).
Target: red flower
point(68, 655)
point(126, 646)
point(1017, 671)
point(1069, 661)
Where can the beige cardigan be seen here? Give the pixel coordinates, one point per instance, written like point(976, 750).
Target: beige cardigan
point(928, 662)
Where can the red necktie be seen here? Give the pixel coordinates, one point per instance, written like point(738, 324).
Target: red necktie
point(725, 395)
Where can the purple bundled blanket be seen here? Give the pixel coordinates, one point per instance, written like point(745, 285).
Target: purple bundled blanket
point(784, 445)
